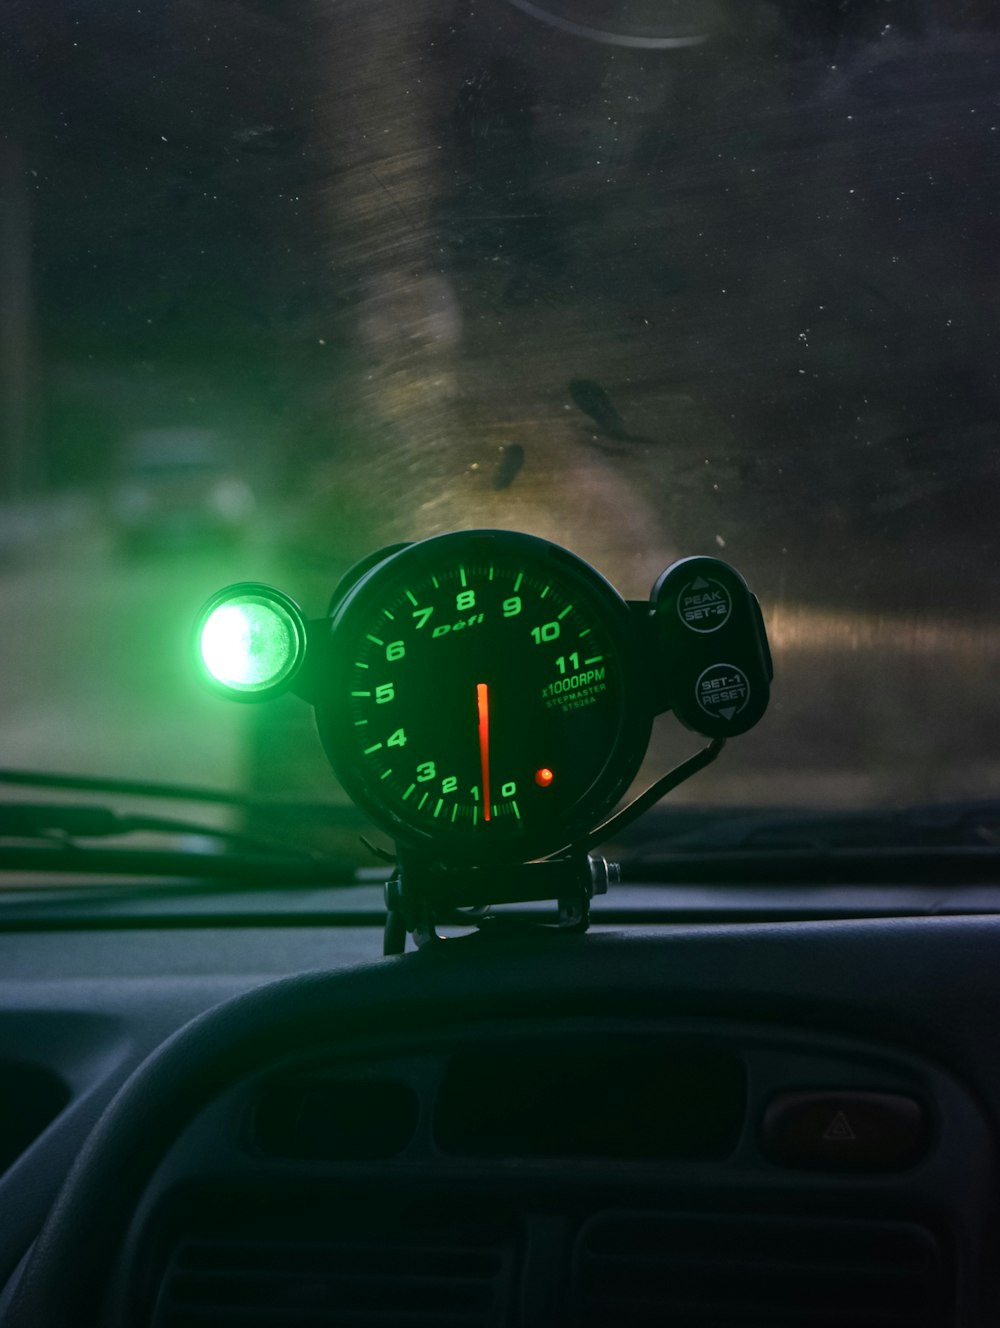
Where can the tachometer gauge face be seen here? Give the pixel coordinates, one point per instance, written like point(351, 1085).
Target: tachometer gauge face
point(485, 704)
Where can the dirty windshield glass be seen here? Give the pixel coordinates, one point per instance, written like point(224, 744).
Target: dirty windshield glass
point(282, 282)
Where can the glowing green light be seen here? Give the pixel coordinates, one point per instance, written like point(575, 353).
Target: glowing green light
point(251, 641)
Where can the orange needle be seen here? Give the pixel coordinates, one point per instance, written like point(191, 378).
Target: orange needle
point(483, 702)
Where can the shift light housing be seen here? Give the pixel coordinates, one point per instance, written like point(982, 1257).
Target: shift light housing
point(250, 641)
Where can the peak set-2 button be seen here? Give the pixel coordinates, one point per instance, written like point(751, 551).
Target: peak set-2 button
point(704, 605)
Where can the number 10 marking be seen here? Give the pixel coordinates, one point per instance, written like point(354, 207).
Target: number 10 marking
point(547, 632)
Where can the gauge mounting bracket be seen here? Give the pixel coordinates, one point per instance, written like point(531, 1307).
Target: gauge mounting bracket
point(421, 896)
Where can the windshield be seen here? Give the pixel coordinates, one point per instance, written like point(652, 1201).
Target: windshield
point(281, 283)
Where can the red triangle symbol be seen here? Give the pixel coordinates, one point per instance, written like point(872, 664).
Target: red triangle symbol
point(839, 1130)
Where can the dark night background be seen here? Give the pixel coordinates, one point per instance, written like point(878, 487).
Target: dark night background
point(437, 264)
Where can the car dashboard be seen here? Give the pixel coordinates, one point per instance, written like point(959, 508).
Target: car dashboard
point(771, 1122)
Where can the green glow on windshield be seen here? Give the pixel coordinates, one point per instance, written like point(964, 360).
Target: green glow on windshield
point(250, 643)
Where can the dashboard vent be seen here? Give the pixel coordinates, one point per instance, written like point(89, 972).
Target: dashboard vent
point(634, 1270)
point(460, 1276)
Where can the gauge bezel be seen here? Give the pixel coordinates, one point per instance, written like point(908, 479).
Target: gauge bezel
point(352, 616)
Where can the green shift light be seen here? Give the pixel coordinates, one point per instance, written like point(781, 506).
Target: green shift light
point(251, 641)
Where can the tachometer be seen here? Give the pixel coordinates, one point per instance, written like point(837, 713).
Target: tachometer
point(483, 703)
point(487, 697)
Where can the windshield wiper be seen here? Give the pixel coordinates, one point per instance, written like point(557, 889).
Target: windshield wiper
point(41, 837)
point(64, 826)
point(141, 788)
point(950, 843)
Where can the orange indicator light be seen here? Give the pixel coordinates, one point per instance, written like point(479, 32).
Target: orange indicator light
point(544, 777)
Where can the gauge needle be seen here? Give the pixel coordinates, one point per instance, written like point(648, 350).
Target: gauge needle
point(483, 702)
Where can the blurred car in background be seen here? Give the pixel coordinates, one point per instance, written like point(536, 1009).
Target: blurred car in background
point(179, 486)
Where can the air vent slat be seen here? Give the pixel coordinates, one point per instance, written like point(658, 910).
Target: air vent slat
point(729, 1285)
point(265, 1318)
point(383, 1259)
point(773, 1267)
point(420, 1293)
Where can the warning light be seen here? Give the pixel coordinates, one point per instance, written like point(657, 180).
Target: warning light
point(544, 777)
point(250, 641)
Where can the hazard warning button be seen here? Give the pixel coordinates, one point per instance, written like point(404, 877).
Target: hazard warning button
point(844, 1131)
